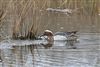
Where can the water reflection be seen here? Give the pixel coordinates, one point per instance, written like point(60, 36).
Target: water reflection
point(17, 57)
point(25, 56)
point(72, 44)
point(55, 44)
point(48, 45)
point(52, 54)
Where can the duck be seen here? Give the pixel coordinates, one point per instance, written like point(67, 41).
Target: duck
point(58, 36)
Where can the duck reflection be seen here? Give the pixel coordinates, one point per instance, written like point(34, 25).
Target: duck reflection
point(65, 44)
point(55, 44)
point(48, 45)
point(71, 43)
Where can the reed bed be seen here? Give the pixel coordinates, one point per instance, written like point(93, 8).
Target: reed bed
point(24, 19)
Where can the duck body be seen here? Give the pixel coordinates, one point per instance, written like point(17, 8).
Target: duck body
point(58, 36)
point(66, 35)
point(55, 37)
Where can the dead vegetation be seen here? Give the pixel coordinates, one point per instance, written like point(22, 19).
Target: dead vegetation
point(25, 18)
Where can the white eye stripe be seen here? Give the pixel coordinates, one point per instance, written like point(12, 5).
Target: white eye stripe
point(48, 31)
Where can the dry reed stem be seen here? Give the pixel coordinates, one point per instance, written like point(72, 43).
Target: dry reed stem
point(4, 12)
point(87, 9)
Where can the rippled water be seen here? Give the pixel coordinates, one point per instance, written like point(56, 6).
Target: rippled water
point(26, 53)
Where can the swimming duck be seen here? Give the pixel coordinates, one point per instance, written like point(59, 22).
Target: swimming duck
point(49, 36)
point(69, 35)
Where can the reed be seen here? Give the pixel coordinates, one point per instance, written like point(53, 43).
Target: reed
point(30, 11)
point(29, 17)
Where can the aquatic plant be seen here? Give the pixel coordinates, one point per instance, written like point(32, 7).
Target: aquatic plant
point(24, 19)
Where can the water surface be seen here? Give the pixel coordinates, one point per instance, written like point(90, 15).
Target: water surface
point(28, 53)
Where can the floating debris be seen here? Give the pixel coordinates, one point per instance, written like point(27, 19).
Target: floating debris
point(99, 14)
point(65, 11)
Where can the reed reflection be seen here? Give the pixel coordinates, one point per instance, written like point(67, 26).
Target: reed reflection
point(0, 56)
point(24, 55)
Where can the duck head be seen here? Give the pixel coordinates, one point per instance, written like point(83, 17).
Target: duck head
point(49, 35)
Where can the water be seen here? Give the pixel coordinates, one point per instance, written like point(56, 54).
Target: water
point(26, 53)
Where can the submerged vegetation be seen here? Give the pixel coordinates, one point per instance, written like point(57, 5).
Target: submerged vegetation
point(24, 19)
